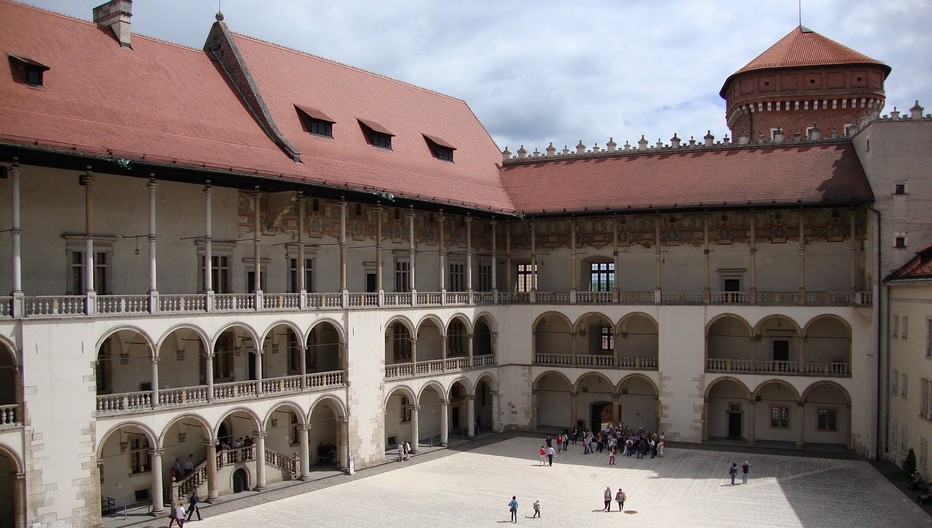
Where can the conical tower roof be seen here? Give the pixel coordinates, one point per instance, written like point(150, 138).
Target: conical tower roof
point(801, 48)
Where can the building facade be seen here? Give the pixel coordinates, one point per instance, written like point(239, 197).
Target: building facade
point(231, 267)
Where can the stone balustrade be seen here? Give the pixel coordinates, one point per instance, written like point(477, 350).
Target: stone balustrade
point(426, 368)
point(840, 369)
point(596, 361)
point(9, 416)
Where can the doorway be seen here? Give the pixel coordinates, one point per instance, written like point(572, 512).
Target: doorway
point(734, 425)
point(240, 480)
point(600, 415)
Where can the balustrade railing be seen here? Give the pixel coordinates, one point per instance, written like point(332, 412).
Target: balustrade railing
point(324, 379)
point(9, 415)
point(595, 360)
point(459, 363)
point(402, 370)
point(281, 385)
point(124, 403)
point(127, 305)
point(771, 367)
point(182, 396)
point(184, 486)
point(282, 462)
point(235, 390)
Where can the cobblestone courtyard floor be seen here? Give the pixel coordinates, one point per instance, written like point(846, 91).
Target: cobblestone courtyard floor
point(470, 485)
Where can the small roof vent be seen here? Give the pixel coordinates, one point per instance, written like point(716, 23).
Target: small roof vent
point(115, 14)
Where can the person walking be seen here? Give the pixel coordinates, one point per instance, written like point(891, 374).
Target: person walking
point(607, 497)
point(745, 468)
point(550, 454)
point(179, 514)
point(543, 455)
point(513, 508)
point(620, 499)
point(733, 472)
point(536, 510)
point(172, 517)
point(193, 507)
point(611, 456)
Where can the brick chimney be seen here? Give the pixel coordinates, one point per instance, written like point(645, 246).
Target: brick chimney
point(115, 15)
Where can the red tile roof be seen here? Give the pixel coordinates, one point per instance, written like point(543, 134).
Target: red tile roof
point(803, 47)
point(822, 174)
point(919, 268)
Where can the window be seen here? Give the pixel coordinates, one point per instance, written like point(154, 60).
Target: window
point(527, 278)
point(904, 385)
point(458, 277)
point(602, 276)
point(101, 273)
point(457, 339)
point(608, 339)
point(402, 276)
point(376, 135)
point(405, 410)
point(440, 148)
point(316, 122)
point(923, 451)
point(251, 278)
point(895, 385)
point(904, 330)
point(899, 188)
point(223, 357)
point(484, 277)
point(893, 434)
point(925, 401)
point(401, 342)
point(30, 71)
point(293, 275)
point(780, 417)
point(138, 455)
point(899, 240)
point(293, 430)
point(828, 419)
point(928, 337)
point(895, 330)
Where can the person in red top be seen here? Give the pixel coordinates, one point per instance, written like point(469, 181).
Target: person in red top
point(543, 455)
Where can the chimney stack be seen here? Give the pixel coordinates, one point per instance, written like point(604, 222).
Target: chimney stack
point(115, 15)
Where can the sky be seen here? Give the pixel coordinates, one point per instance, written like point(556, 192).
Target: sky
point(562, 72)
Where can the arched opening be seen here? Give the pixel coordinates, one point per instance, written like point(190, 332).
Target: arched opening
point(10, 392)
point(638, 403)
point(484, 405)
point(827, 417)
point(280, 353)
point(482, 339)
point(553, 343)
point(240, 480)
point(8, 489)
point(827, 347)
point(184, 458)
point(125, 468)
point(430, 416)
point(429, 341)
point(459, 406)
point(182, 363)
point(638, 343)
point(552, 401)
point(284, 430)
point(124, 364)
point(457, 339)
point(594, 341)
point(324, 353)
point(237, 449)
point(728, 346)
point(399, 414)
point(775, 413)
point(324, 437)
point(397, 344)
point(727, 404)
point(594, 392)
point(234, 356)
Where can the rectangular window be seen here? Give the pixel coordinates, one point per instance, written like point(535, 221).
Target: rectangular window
point(76, 284)
point(608, 339)
point(484, 277)
point(895, 383)
point(293, 274)
point(904, 385)
point(458, 277)
point(899, 188)
point(376, 135)
point(925, 400)
point(405, 410)
point(527, 278)
point(602, 276)
point(402, 276)
point(928, 337)
point(320, 128)
point(828, 419)
point(251, 279)
point(138, 455)
point(899, 241)
point(895, 326)
point(923, 451)
point(780, 417)
point(220, 274)
point(904, 330)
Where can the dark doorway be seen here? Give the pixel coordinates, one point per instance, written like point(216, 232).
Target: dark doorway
point(370, 282)
point(455, 418)
point(734, 425)
point(781, 350)
point(600, 415)
point(240, 480)
point(252, 366)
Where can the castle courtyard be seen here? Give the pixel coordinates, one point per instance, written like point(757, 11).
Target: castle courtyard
point(470, 485)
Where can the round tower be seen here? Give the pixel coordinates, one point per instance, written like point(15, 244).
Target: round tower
point(804, 82)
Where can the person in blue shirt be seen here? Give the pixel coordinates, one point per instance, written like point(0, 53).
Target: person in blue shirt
point(513, 508)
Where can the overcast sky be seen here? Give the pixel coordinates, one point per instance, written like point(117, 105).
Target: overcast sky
point(542, 71)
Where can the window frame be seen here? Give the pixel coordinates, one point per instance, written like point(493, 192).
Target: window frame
point(779, 417)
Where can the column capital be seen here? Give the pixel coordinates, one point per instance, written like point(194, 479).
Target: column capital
point(156, 452)
point(260, 434)
point(209, 443)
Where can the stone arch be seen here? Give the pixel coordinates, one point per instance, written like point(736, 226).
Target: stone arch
point(457, 335)
point(777, 344)
point(827, 415)
point(243, 428)
point(552, 334)
point(430, 338)
point(124, 462)
point(399, 417)
point(123, 361)
point(776, 407)
point(727, 410)
point(484, 331)
point(399, 334)
point(594, 334)
point(226, 353)
point(637, 341)
point(486, 406)
point(289, 406)
point(827, 345)
point(149, 341)
point(12, 488)
point(188, 367)
point(14, 352)
point(552, 398)
point(729, 344)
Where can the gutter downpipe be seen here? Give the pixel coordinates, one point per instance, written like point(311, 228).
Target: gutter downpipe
point(883, 350)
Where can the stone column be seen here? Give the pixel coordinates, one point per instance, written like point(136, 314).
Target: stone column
point(752, 421)
point(853, 232)
point(212, 492)
point(155, 380)
point(303, 365)
point(494, 269)
point(256, 247)
point(304, 471)
point(89, 233)
point(707, 253)
point(378, 251)
point(799, 421)
point(343, 245)
point(209, 373)
point(469, 344)
point(259, 446)
point(802, 260)
point(411, 257)
point(19, 504)
point(258, 369)
point(413, 352)
point(752, 291)
point(302, 264)
point(442, 254)
point(573, 413)
point(470, 416)
point(208, 247)
point(574, 267)
point(659, 258)
point(156, 492)
point(444, 422)
point(415, 427)
point(16, 232)
point(469, 255)
point(153, 268)
point(616, 408)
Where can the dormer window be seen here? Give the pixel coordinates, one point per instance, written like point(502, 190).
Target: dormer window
point(440, 148)
point(30, 71)
point(316, 122)
point(376, 134)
